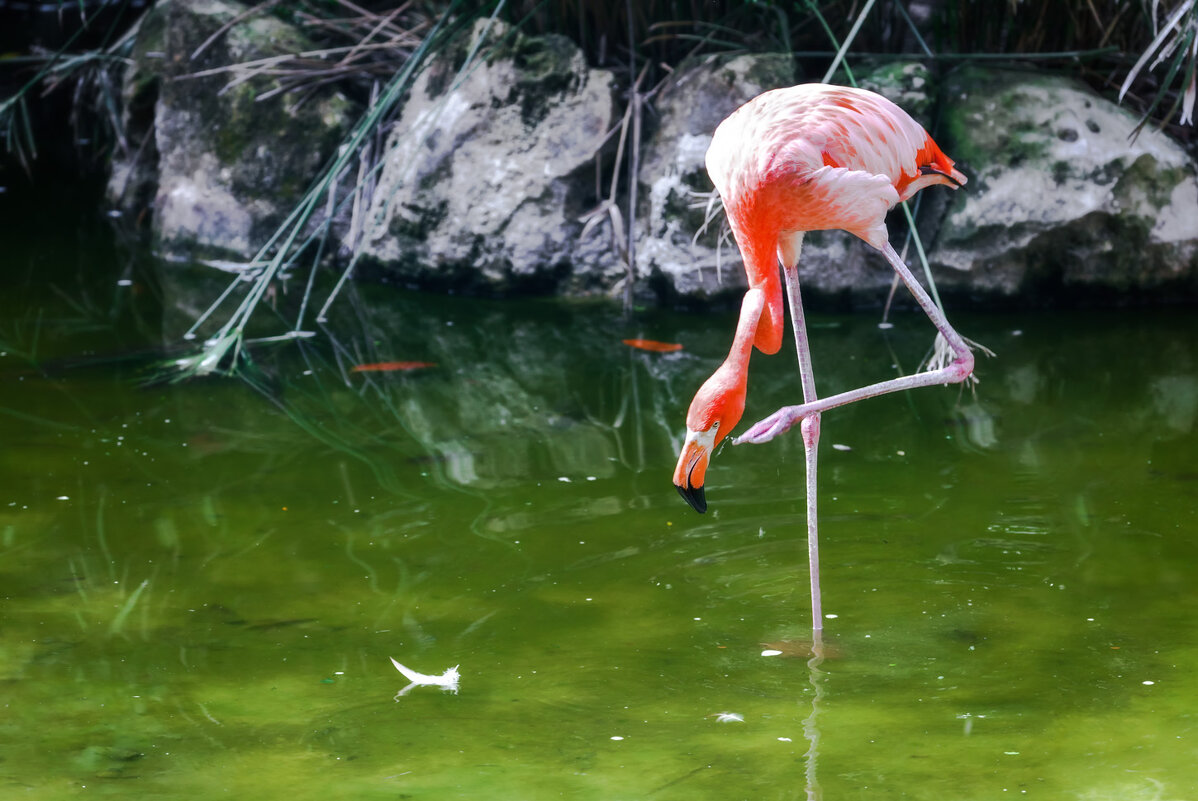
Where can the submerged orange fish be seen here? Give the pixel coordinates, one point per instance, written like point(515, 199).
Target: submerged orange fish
point(653, 345)
point(381, 367)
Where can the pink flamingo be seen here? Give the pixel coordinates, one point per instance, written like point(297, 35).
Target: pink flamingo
point(807, 158)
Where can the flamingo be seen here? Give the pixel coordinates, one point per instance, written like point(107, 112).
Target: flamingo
point(808, 158)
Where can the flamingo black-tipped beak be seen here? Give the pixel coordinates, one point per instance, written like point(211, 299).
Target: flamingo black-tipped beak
point(692, 468)
point(694, 496)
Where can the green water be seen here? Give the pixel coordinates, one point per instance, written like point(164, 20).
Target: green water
point(202, 582)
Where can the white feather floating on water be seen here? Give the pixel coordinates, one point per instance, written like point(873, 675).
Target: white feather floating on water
point(447, 681)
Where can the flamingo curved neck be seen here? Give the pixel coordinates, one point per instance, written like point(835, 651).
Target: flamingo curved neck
point(746, 329)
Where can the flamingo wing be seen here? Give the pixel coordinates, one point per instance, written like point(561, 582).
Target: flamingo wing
point(837, 198)
point(785, 139)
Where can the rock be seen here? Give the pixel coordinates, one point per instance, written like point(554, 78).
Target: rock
point(224, 167)
point(487, 174)
point(1061, 200)
point(909, 84)
point(477, 191)
point(674, 179)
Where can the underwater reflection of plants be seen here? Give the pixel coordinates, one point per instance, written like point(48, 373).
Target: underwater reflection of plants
point(484, 394)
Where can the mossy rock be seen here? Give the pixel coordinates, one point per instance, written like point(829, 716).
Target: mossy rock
point(908, 84)
point(229, 162)
point(983, 120)
point(1061, 194)
point(489, 167)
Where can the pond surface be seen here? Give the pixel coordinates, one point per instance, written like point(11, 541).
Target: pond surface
point(202, 582)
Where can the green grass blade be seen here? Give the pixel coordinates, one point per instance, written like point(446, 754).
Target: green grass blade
point(848, 42)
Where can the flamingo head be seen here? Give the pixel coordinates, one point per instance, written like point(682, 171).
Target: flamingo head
point(715, 410)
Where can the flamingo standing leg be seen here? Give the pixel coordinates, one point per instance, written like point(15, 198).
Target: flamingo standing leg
point(788, 254)
point(955, 372)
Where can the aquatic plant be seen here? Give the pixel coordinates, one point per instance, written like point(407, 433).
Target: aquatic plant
point(309, 224)
point(1176, 41)
point(93, 75)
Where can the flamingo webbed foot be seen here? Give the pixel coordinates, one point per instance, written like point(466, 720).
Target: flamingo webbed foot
point(777, 423)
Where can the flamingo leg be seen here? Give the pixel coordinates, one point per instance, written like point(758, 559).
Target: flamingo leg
point(953, 373)
point(810, 429)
